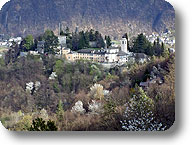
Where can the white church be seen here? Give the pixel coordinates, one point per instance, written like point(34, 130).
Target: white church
point(118, 54)
point(105, 55)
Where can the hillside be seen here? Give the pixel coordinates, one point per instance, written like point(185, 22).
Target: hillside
point(112, 17)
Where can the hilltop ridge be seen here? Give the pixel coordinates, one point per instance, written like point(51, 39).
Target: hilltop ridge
point(113, 17)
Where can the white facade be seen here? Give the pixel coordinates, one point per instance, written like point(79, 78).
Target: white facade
point(114, 50)
point(124, 45)
point(123, 59)
point(62, 40)
point(111, 57)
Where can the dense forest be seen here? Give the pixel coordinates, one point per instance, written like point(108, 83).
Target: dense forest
point(49, 93)
point(80, 40)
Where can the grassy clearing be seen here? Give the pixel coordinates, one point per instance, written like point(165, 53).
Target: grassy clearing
point(116, 42)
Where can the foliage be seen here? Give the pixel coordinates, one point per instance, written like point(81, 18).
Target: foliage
point(158, 48)
point(60, 110)
point(109, 108)
point(62, 33)
point(40, 125)
point(67, 32)
point(12, 54)
point(142, 45)
point(28, 42)
point(58, 67)
point(51, 42)
point(108, 41)
point(24, 123)
point(80, 40)
point(165, 51)
point(139, 114)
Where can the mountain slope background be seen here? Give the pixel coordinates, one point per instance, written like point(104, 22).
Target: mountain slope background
point(110, 17)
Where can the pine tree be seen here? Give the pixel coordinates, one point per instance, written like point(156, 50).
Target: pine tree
point(67, 32)
point(62, 33)
point(108, 41)
point(51, 41)
point(142, 45)
point(162, 48)
point(158, 49)
point(165, 52)
point(92, 35)
point(60, 111)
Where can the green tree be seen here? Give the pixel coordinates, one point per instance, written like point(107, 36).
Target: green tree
point(162, 48)
point(109, 108)
point(59, 67)
point(150, 51)
point(28, 42)
point(92, 35)
point(51, 42)
point(83, 40)
point(60, 110)
point(99, 40)
point(24, 123)
point(165, 52)
point(62, 33)
point(40, 125)
point(108, 41)
point(67, 32)
point(142, 45)
point(75, 41)
point(158, 49)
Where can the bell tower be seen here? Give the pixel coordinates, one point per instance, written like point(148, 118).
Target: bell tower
point(124, 45)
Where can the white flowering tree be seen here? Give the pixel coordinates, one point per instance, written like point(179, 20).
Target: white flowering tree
point(29, 87)
point(78, 108)
point(53, 76)
point(97, 91)
point(95, 107)
point(32, 87)
point(139, 115)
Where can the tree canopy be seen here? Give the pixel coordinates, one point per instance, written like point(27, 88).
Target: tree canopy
point(108, 41)
point(40, 125)
point(51, 41)
point(28, 42)
point(142, 45)
point(80, 40)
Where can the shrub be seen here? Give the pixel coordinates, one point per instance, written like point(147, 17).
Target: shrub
point(40, 125)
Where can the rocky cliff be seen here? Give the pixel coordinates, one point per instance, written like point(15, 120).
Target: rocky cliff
point(112, 17)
